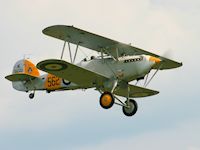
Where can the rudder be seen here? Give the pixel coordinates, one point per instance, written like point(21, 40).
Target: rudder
point(27, 67)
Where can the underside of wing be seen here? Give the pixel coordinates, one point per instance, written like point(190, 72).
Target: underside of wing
point(71, 72)
point(135, 92)
point(20, 77)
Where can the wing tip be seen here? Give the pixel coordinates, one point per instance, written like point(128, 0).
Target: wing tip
point(166, 65)
point(181, 64)
point(178, 64)
point(46, 30)
point(52, 65)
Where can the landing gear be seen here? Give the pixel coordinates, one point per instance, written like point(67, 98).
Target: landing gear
point(31, 95)
point(130, 108)
point(106, 100)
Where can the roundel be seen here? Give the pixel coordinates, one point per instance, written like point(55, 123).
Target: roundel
point(54, 66)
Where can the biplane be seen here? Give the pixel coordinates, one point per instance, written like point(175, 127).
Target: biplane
point(110, 73)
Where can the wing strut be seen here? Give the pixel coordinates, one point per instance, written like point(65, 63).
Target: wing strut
point(147, 83)
point(75, 53)
point(70, 53)
point(63, 50)
point(117, 54)
point(102, 56)
point(72, 60)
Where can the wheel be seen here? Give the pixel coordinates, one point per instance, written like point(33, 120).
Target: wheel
point(131, 109)
point(48, 91)
point(31, 95)
point(106, 100)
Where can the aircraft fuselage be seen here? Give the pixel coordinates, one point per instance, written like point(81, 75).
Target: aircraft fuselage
point(126, 68)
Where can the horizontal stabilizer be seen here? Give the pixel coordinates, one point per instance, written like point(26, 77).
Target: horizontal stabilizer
point(20, 77)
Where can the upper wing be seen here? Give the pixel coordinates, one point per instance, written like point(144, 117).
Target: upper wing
point(20, 77)
point(100, 43)
point(73, 73)
point(80, 37)
point(135, 91)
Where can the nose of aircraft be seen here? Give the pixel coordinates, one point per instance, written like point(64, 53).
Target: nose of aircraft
point(154, 59)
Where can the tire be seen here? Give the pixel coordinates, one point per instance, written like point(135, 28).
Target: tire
point(106, 100)
point(132, 110)
point(31, 95)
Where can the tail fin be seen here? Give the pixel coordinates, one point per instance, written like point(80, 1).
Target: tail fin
point(23, 70)
point(27, 67)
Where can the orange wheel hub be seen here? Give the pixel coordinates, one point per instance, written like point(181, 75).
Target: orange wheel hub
point(106, 100)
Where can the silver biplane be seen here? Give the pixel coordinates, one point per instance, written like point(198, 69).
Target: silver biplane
point(110, 73)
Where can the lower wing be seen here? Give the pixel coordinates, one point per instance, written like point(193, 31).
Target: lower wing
point(134, 92)
point(71, 72)
point(87, 78)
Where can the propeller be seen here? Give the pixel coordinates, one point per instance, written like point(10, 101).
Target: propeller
point(168, 53)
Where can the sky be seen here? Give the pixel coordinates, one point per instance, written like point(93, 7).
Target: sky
point(74, 119)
